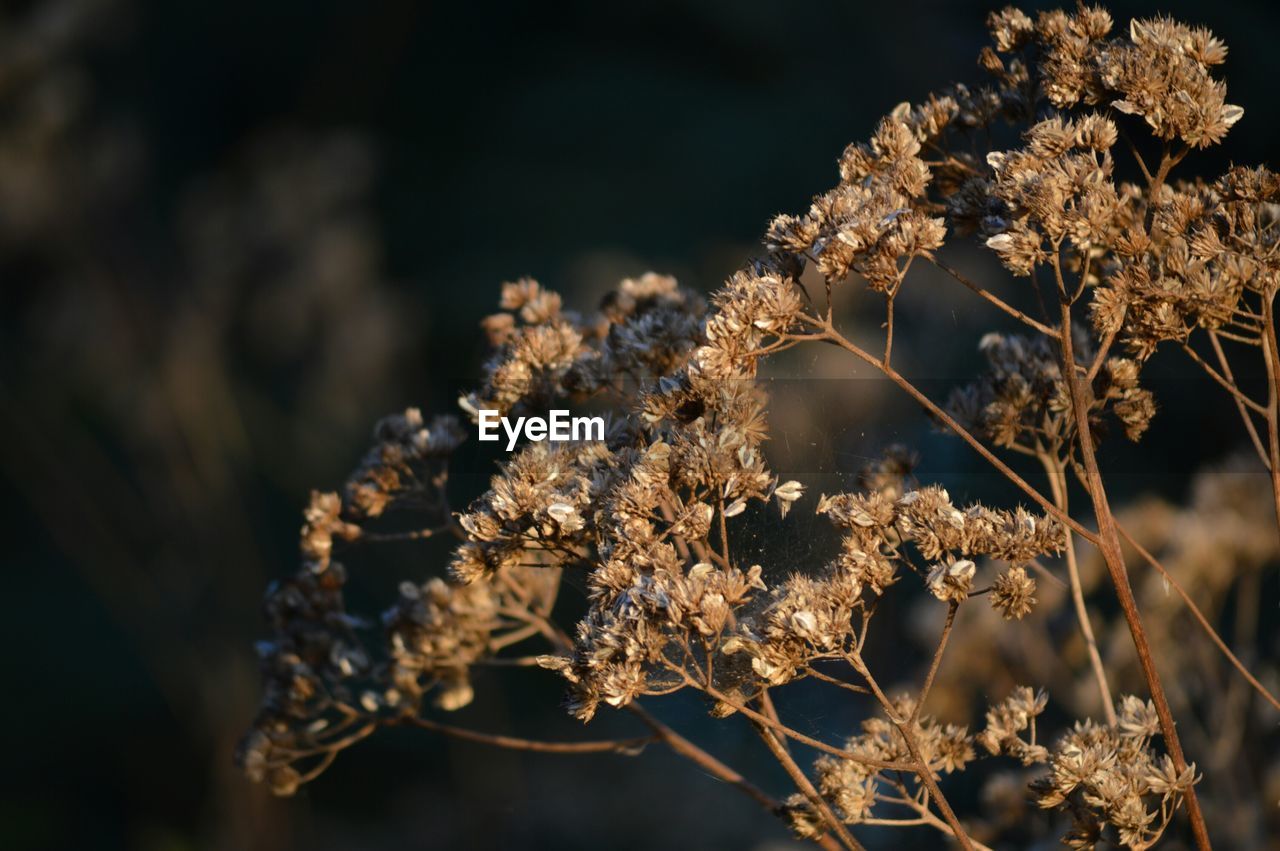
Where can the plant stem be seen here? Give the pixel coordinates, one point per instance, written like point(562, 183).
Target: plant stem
point(717, 769)
point(1156, 183)
point(993, 299)
point(831, 335)
point(1200, 618)
point(937, 661)
point(806, 788)
point(1271, 352)
point(791, 733)
point(1109, 545)
point(518, 744)
point(921, 768)
point(888, 334)
point(766, 704)
point(1240, 407)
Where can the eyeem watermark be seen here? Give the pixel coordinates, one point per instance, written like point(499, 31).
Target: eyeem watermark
point(557, 427)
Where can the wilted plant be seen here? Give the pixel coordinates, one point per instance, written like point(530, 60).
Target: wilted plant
point(645, 516)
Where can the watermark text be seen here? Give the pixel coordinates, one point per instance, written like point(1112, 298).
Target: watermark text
point(558, 426)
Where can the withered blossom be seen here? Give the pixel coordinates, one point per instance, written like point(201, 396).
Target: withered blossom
point(646, 520)
point(1013, 594)
point(1113, 782)
point(854, 789)
point(1023, 401)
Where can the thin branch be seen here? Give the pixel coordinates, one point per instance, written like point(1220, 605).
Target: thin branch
point(1271, 354)
point(790, 733)
point(888, 334)
point(1058, 484)
point(411, 535)
point(925, 818)
point(936, 663)
point(836, 338)
point(1047, 574)
point(1225, 363)
point(629, 747)
point(1200, 618)
point(1142, 164)
point(1229, 386)
point(835, 681)
point(514, 637)
point(766, 703)
point(921, 767)
point(1103, 350)
point(1156, 182)
point(701, 758)
point(1238, 338)
point(993, 299)
point(806, 788)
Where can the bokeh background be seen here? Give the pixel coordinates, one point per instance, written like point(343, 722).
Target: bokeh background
point(233, 234)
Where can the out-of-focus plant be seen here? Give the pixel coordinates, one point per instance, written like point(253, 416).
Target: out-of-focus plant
point(646, 517)
point(140, 368)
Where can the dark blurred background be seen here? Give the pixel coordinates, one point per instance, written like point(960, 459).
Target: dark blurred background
point(233, 234)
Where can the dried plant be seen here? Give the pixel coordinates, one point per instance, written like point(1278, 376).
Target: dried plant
point(645, 517)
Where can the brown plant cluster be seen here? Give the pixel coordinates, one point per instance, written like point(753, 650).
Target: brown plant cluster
point(668, 601)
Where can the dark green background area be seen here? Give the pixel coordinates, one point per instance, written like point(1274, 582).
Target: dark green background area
point(572, 141)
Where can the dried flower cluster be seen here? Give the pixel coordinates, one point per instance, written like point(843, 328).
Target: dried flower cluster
point(872, 222)
point(854, 788)
point(645, 330)
point(646, 517)
point(1022, 400)
point(1208, 263)
point(1109, 778)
